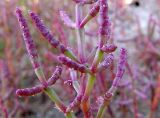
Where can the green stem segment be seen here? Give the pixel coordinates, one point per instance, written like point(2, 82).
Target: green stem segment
point(70, 115)
point(41, 76)
point(53, 96)
point(85, 100)
point(90, 85)
point(101, 111)
point(97, 59)
point(69, 54)
point(91, 80)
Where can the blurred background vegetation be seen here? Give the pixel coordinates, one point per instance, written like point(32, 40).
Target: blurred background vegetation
point(131, 28)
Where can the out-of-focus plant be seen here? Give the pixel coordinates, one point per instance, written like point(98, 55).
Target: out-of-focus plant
point(79, 59)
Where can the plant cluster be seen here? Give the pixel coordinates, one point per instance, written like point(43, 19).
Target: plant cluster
point(79, 63)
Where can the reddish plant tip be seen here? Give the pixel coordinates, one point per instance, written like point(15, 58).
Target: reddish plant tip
point(31, 48)
point(120, 67)
point(109, 48)
point(55, 76)
point(29, 91)
point(70, 63)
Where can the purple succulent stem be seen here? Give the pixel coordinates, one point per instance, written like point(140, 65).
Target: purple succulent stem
point(39, 88)
point(34, 59)
point(124, 84)
point(105, 28)
point(110, 93)
point(106, 62)
point(76, 102)
point(103, 37)
point(72, 64)
point(104, 32)
point(56, 75)
point(80, 92)
point(30, 91)
point(31, 48)
point(121, 67)
point(92, 13)
point(109, 48)
point(49, 36)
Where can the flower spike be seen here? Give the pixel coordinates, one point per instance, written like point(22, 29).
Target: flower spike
point(70, 63)
point(49, 36)
point(92, 13)
point(31, 48)
point(30, 91)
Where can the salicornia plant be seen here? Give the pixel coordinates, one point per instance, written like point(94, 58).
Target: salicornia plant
point(83, 70)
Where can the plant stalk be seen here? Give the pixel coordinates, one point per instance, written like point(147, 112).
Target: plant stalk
point(53, 96)
point(80, 33)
